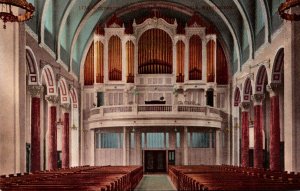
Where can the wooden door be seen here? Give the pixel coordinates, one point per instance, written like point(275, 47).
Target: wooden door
point(155, 161)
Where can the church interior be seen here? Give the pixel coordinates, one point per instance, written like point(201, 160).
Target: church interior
point(121, 95)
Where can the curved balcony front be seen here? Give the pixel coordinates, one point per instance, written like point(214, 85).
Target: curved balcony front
point(154, 115)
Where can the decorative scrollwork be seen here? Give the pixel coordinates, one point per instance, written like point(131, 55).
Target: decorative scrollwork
point(54, 99)
point(35, 91)
point(66, 106)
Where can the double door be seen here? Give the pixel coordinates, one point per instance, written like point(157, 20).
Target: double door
point(156, 160)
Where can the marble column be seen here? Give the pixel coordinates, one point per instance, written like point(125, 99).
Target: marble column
point(258, 130)
point(245, 133)
point(52, 132)
point(36, 92)
point(274, 130)
point(66, 140)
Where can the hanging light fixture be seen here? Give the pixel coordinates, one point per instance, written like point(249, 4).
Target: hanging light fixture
point(285, 7)
point(9, 14)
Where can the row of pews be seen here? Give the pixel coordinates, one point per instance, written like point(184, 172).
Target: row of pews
point(227, 177)
point(103, 178)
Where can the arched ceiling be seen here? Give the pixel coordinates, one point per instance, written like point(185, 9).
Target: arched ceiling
point(67, 26)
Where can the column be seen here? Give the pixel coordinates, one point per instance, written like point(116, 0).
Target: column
point(13, 90)
point(245, 133)
point(218, 148)
point(66, 137)
point(258, 130)
point(185, 146)
point(124, 146)
point(92, 147)
point(138, 148)
point(274, 129)
point(52, 132)
point(36, 92)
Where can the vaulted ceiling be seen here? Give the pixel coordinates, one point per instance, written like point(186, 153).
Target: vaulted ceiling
point(67, 26)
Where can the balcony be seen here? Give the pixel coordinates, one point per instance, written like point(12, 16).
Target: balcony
point(154, 115)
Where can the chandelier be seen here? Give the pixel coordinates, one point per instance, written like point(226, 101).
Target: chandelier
point(287, 5)
point(9, 11)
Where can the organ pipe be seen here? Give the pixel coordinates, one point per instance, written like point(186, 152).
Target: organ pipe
point(180, 48)
point(115, 58)
point(89, 67)
point(99, 62)
point(155, 52)
point(195, 58)
point(210, 48)
point(222, 69)
point(130, 61)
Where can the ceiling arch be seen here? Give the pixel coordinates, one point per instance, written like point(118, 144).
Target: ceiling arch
point(87, 17)
point(62, 23)
point(248, 28)
point(76, 21)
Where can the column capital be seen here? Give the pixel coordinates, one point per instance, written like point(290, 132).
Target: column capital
point(258, 98)
point(53, 99)
point(35, 90)
point(245, 106)
point(66, 107)
point(272, 88)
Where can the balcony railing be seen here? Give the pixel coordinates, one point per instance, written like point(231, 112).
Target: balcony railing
point(152, 109)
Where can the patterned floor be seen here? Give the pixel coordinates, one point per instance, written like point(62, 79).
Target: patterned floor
point(155, 182)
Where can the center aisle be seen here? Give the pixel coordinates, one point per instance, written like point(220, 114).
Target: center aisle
point(155, 182)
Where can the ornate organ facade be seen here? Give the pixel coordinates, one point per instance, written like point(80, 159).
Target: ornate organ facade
point(155, 76)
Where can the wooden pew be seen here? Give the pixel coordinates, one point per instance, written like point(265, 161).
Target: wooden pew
point(227, 177)
point(104, 178)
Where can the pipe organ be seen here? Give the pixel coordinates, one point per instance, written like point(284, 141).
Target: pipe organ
point(154, 75)
point(155, 47)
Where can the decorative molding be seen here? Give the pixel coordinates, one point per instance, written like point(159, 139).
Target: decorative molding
point(245, 106)
point(66, 106)
point(258, 98)
point(31, 33)
point(54, 99)
point(272, 88)
point(48, 49)
point(35, 90)
point(251, 76)
point(44, 63)
point(266, 63)
point(150, 23)
point(59, 61)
